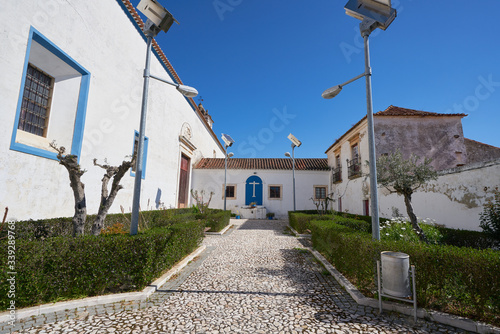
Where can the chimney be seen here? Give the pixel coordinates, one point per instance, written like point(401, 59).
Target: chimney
point(205, 114)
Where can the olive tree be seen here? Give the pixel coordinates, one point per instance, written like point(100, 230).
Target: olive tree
point(403, 177)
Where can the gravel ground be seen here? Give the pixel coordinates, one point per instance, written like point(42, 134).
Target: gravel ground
point(255, 279)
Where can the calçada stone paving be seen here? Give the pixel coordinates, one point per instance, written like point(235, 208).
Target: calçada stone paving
point(255, 279)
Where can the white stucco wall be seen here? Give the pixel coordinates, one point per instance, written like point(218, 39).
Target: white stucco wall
point(101, 38)
point(455, 199)
point(213, 180)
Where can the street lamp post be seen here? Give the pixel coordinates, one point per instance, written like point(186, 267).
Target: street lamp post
point(225, 175)
point(374, 14)
point(295, 143)
point(287, 154)
point(158, 19)
point(228, 142)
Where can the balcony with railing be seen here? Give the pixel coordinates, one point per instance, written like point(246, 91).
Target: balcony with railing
point(354, 167)
point(337, 175)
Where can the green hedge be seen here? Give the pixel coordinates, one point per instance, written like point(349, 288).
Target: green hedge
point(61, 268)
point(217, 220)
point(465, 238)
point(300, 221)
point(57, 227)
point(461, 281)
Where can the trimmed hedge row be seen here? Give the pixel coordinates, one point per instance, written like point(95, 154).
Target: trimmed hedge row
point(217, 220)
point(58, 227)
point(461, 281)
point(62, 268)
point(465, 238)
point(301, 221)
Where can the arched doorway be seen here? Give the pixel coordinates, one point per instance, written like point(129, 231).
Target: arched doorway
point(253, 190)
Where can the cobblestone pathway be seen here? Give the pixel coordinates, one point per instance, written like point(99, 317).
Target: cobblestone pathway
point(256, 279)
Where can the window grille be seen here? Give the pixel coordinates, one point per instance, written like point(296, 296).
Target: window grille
point(337, 174)
point(320, 192)
point(230, 192)
point(354, 167)
point(275, 192)
point(35, 107)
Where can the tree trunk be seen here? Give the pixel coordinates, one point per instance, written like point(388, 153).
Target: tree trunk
point(70, 162)
point(80, 205)
point(116, 173)
point(413, 218)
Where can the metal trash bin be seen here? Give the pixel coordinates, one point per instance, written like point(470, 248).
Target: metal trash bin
point(395, 274)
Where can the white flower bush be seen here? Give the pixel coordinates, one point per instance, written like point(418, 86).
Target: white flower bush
point(400, 228)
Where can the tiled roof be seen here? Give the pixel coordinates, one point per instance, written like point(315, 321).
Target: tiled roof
point(264, 163)
point(398, 111)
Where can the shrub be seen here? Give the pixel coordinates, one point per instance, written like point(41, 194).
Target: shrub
point(401, 229)
point(62, 268)
point(300, 221)
point(461, 281)
point(217, 220)
point(490, 217)
point(466, 238)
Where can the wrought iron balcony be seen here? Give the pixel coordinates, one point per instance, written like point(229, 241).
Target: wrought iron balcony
point(354, 167)
point(337, 175)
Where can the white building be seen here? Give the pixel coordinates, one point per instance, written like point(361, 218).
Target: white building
point(72, 72)
point(469, 171)
point(266, 182)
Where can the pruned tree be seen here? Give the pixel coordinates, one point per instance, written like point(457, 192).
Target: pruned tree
point(70, 162)
point(200, 200)
point(107, 197)
point(403, 177)
point(322, 204)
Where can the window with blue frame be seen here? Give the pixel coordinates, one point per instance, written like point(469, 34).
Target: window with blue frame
point(52, 101)
point(144, 154)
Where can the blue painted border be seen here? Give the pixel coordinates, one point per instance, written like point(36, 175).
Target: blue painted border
point(81, 111)
point(144, 155)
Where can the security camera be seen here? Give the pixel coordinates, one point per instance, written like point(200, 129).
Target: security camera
point(227, 140)
point(378, 10)
point(158, 15)
point(294, 140)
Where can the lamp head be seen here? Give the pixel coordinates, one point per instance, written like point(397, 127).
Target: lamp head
point(377, 10)
point(227, 140)
point(155, 12)
point(230, 154)
point(187, 91)
point(294, 140)
point(287, 154)
point(330, 93)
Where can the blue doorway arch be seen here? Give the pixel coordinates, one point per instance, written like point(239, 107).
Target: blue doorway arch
point(253, 190)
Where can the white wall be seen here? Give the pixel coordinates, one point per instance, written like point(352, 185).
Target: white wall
point(213, 180)
point(100, 37)
point(455, 199)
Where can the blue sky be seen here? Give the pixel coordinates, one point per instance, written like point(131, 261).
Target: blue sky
point(261, 66)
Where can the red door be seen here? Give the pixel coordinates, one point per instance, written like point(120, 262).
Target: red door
point(184, 182)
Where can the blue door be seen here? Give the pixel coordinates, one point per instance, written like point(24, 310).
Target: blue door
point(253, 190)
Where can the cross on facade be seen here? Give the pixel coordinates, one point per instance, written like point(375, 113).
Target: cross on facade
point(254, 184)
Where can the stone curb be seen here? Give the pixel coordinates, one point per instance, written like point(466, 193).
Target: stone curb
point(107, 299)
point(297, 234)
point(441, 317)
point(221, 232)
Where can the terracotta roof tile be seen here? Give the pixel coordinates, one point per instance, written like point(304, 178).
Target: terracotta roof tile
point(264, 163)
point(398, 111)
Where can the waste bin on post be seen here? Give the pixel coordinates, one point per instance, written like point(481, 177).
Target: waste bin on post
point(396, 279)
point(395, 274)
